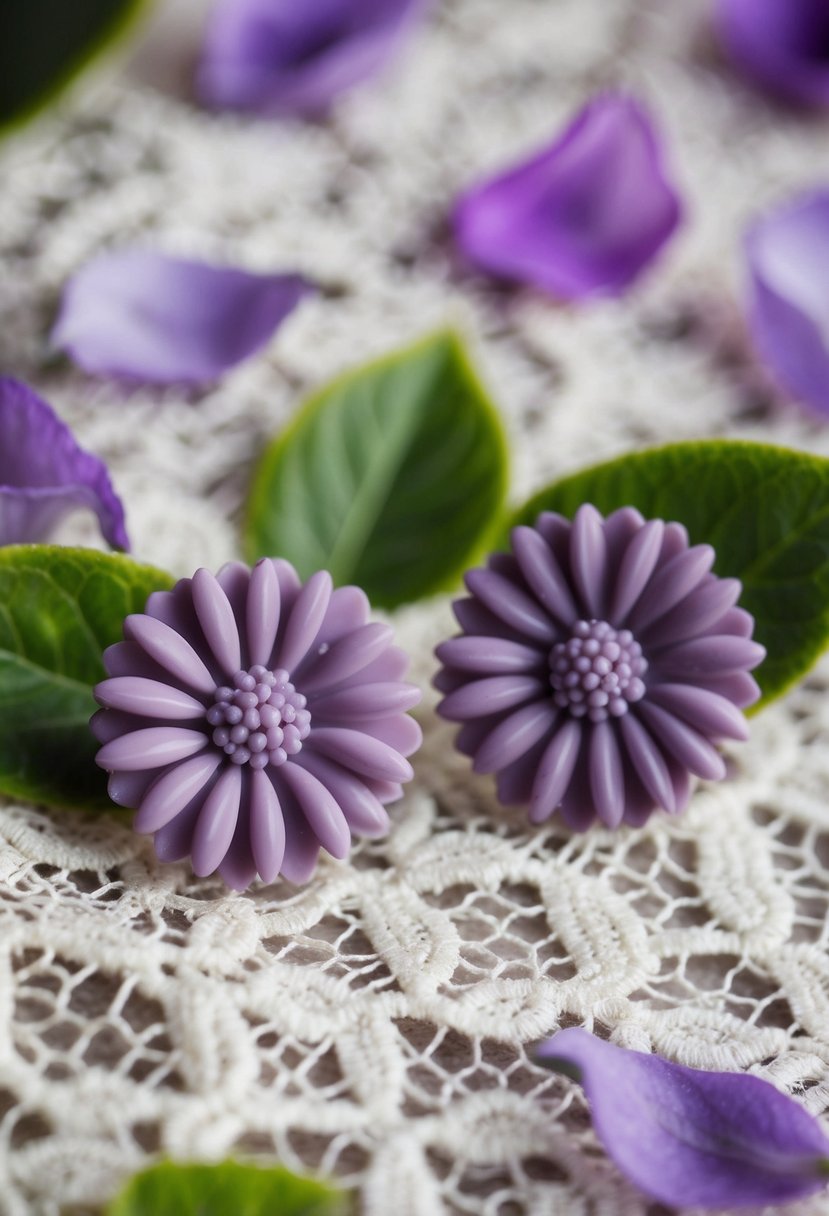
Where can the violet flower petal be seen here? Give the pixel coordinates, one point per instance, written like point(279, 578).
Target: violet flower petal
point(787, 253)
point(584, 216)
point(693, 1138)
point(781, 45)
point(139, 315)
point(280, 56)
point(44, 475)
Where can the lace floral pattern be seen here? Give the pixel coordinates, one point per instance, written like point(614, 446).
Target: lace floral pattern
point(375, 1024)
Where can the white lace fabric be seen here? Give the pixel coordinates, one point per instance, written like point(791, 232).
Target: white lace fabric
point(376, 1025)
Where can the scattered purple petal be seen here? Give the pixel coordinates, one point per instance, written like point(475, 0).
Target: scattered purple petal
point(253, 721)
point(599, 664)
point(584, 216)
point(290, 57)
point(780, 45)
point(44, 475)
point(690, 1138)
point(787, 252)
point(136, 314)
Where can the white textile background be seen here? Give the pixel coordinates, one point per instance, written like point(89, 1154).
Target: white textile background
point(375, 1025)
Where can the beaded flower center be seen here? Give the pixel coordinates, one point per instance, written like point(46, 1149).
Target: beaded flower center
point(261, 720)
point(598, 671)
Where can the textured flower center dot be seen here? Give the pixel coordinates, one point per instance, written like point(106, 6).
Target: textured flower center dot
point(598, 671)
point(261, 720)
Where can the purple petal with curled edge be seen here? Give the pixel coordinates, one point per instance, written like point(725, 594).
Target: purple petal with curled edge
point(555, 770)
point(786, 251)
point(361, 702)
point(711, 655)
point(267, 827)
point(304, 620)
point(44, 475)
point(173, 790)
point(780, 45)
point(217, 821)
point(588, 557)
point(690, 1138)
point(674, 579)
point(607, 779)
point(509, 604)
point(739, 687)
point(648, 762)
point(262, 611)
point(709, 713)
point(360, 753)
point(489, 656)
point(321, 809)
point(151, 698)
point(585, 215)
point(346, 657)
point(170, 650)
point(514, 736)
point(152, 747)
point(480, 698)
point(140, 315)
point(683, 742)
point(543, 574)
point(284, 57)
point(364, 812)
point(217, 621)
point(638, 564)
point(698, 613)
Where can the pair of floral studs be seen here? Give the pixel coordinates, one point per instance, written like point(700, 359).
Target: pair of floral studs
point(253, 720)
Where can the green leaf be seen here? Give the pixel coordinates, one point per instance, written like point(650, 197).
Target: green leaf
point(59, 609)
point(45, 43)
point(391, 477)
point(764, 509)
point(229, 1189)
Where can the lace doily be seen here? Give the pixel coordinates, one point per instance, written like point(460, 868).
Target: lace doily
point(374, 1026)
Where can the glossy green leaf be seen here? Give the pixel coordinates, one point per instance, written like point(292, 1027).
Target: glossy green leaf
point(229, 1189)
point(59, 609)
point(764, 509)
point(45, 43)
point(392, 477)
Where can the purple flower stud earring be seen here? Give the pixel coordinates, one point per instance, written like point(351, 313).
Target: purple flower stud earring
point(599, 663)
point(252, 720)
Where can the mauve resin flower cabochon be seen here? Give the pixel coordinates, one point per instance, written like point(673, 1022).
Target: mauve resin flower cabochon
point(599, 663)
point(253, 720)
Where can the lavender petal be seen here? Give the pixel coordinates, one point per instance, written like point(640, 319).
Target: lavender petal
point(509, 604)
point(480, 698)
point(607, 779)
point(321, 809)
point(304, 621)
point(514, 736)
point(362, 754)
point(585, 215)
point(362, 702)
point(150, 698)
point(555, 770)
point(688, 746)
point(647, 761)
point(692, 1138)
point(708, 712)
point(267, 827)
point(542, 573)
point(280, 57)
point(788, 294)
point(217, 822)
point(217, 621)
point(44, 475)
point(170, 650)
point(780, 45)
point(262, 611)
point(345, 657)
point(140, 315)
point(637, 565)
point(489, 656)
point(173, 790)
point(362, 809)
point(150, 748)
